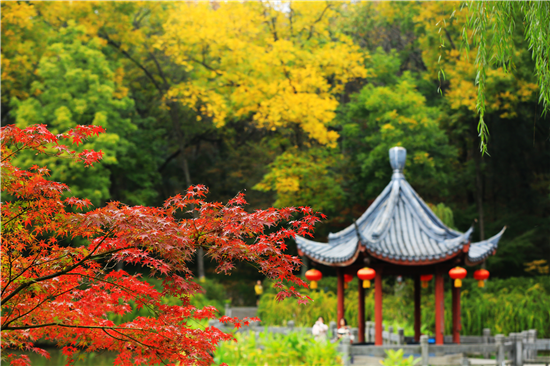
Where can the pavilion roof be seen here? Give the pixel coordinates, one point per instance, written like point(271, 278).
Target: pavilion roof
point(399, 227)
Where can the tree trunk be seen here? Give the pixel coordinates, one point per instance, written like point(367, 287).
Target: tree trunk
point(187, 175)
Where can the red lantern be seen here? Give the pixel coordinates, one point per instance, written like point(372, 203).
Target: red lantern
point(481, 275)
point(314, 275)
point(366, 274)
point(347, 278)
point(425, 279)
point(457, 274)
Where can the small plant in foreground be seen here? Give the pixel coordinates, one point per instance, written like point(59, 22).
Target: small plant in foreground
point(395, 358)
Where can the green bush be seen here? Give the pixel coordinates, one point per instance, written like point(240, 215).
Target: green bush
point(395, 358)
point(297, 348)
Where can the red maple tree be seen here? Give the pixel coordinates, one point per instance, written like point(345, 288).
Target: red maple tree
point(55, 289)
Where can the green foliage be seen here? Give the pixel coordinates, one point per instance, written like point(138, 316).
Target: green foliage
point(306, 178)
point(277, 349)
point(78, 87)
point(444, 213)
point(395, 358)
point(504, 306)
point(396, 310)
point(494, 26)
point(395, 114)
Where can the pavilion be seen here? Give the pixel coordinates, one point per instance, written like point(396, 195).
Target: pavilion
point(399, 235)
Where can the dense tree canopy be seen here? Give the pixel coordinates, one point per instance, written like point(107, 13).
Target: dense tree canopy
point(297, 103)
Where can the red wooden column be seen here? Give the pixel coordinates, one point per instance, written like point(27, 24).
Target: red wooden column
point(340, 295)
point(417, 313)
point(378, 308)
point(439, 307)
point(457, 326)
point(361, 316)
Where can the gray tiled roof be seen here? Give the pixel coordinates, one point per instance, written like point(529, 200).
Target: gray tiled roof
point(398, 225)
point(481, 250)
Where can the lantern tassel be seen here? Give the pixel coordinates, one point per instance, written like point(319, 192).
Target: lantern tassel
point(366, 284)
point(424, 284)
point(480, 283)
point(458, 282)
point(313, 285)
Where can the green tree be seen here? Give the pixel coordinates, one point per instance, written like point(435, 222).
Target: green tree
point(306, 176)
point(78, 86)
point(389, 112)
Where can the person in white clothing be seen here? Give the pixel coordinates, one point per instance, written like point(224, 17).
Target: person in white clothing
point(344, 329)
point(320, 330)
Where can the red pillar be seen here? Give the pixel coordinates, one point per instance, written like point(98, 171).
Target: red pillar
point(378, 308)
point(340, 295)
point(439, 307)
point(417, 313)
point(361, 317)
point(457, 327)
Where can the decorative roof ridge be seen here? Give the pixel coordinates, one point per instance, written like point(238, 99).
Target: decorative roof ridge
point(364, 216)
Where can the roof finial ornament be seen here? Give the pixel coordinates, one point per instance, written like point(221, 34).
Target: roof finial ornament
point(398, 156)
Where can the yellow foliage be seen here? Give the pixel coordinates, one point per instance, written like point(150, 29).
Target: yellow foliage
point(250, 59)
point(447, 60)
point(540, 266)
point(288, 184)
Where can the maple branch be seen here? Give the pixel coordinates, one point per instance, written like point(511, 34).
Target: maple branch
point(68, 326)
point(127, 336)
point(60, 273)
point(39, 264)
point(135, 340)
point(4, 158)
point(115, 285)
point(48, 298)
point(16, 216)
point(11, 280)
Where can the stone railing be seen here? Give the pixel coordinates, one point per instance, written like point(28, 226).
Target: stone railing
point(517, 349)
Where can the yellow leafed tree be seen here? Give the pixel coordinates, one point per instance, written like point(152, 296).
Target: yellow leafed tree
point(280, 65)
point(444, 54)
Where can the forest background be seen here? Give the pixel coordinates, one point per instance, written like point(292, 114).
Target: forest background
point(296, 104)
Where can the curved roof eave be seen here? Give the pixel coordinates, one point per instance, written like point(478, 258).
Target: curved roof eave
point(479, 251)
point(329, 254)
